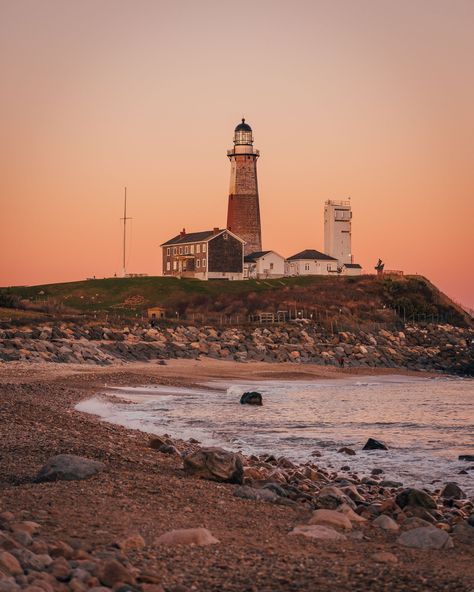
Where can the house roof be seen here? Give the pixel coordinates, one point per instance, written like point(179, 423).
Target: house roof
point(353, 265)
point(252, 257)
point(194, 237)
point(311, 254)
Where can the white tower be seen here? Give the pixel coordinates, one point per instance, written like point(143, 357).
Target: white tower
point(337, 230)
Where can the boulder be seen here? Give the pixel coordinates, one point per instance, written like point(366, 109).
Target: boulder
point(251, 398)
point(386, 523)
point(318, 531)
point(10, 565)
point(68, 467)
point(215, 464)
point(187, 536)
point(110, 572)
point(415, 497)
point(426, 537)
point(349, 513)
point(246, 492)
point(384, 557)
point(468, 457)
point(452, 491)
point(464, 533)
point(331, 518)
point(373, 444)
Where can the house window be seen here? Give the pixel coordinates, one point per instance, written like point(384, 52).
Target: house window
point(271, 265)
point(168, 266)
point(191, 249)
point(225, 236)
point(198, 248)
point(306, 266)
point(175, 265)
point(198, 262)
point(168, 251)
point(186, 250)
point(175, 250)
point(180, 250)
point(204, 248)
point(204, 263)
point(329, 267)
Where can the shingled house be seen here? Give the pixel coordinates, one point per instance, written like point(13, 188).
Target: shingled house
point(209, 255)
point(311, 262)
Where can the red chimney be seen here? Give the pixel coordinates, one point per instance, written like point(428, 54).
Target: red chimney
point(183, 232)
point(215, 230)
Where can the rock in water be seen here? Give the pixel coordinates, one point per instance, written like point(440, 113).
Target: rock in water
point(415, 497)
point(426, 537)
point(251, 398)
point(373, 444)
point(187, 536)
point(468, 457)
point(215, 464)
point(452, 491)
point(68, 467)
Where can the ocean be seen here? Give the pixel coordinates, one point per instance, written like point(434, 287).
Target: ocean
point(426, 422)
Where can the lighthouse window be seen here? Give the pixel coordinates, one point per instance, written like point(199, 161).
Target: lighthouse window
point(225, 236)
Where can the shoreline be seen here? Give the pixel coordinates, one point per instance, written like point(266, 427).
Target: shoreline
point(142, 490)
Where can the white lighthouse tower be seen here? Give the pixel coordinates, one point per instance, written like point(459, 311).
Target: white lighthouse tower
point(337, 230)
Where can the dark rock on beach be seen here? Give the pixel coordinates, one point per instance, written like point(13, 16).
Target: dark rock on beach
point(68, 467)
point(373, 444)
point(416, 498)
point(251, 398)
point(215, 464)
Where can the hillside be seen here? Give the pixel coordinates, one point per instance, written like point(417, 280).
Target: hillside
point(345, 299)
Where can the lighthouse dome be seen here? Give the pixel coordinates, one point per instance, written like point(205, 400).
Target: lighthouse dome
point(243, 127)
point(243, 134)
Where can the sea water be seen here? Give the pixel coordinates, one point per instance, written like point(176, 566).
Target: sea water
point(426, 423)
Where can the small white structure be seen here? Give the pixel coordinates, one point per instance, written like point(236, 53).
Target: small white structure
point(263, 265)
point(351, 269)
point(311, 262)
point(337, 230)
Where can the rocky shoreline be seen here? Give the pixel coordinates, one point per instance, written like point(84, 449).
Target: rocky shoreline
point(441, 348)
point(130, 514)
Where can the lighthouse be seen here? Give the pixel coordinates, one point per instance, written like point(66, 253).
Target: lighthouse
point(243, 213)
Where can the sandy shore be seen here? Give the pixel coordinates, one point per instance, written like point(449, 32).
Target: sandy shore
point(144, 491)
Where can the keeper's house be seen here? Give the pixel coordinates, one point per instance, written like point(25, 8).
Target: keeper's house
point(311, 262)
point(209, 255)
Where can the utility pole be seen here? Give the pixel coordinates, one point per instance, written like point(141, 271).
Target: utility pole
point(124, 271)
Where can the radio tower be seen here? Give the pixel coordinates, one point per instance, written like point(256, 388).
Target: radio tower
point(124, 269)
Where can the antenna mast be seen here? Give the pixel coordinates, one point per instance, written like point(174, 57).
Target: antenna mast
point(124, 270)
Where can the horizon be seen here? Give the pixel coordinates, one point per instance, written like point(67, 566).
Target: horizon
point(372, 102)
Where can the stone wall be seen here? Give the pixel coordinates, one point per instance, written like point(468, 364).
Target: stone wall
point(435, 347)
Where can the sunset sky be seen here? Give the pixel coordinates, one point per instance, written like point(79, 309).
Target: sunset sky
point(370, 99)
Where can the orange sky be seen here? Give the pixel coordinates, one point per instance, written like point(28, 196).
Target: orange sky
point(371, 99)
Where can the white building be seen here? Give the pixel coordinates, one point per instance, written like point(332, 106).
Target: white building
point(264, 265)
point(311, 262)
point(337, 230)
point(351, 269)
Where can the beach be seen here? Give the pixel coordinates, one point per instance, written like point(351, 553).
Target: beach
point(146, 492)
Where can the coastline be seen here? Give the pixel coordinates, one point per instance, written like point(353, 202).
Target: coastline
point(145, 491)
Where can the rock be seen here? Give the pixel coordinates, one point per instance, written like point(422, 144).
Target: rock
point(349, 513)
point(384, 557)
point(251, 398)
point(9, 564)
point(346, 450)
point(60, 569)
point(132, 542)
point(215, 464)
point(331, 497)
point(68, 467)
point(318, 531)
point(9, 585)
point(415, 497)
point(110, 572)
point(386, 523)
point(373, 444)
point(377, 471)
point(251, 493)
point(426, 537)
point(27, 526)
point(187, 536)
point(29, 560)
point(464, 533)
point(468, 457)
point(414, 522)
point(331, 518)
point(61, 549)
point(452, 491)
point(157, 442)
